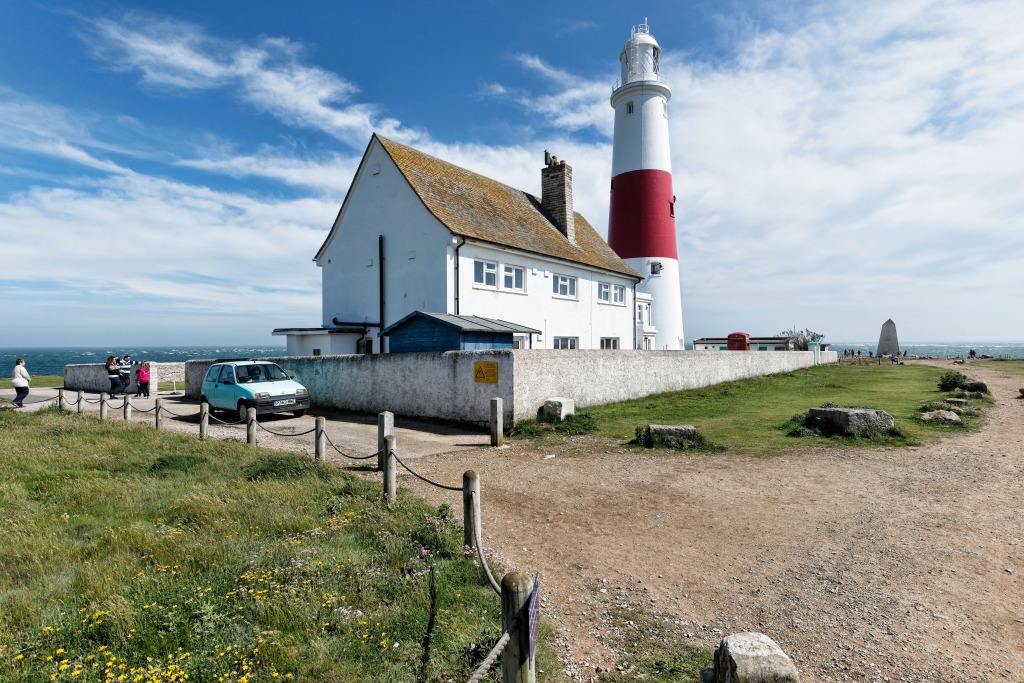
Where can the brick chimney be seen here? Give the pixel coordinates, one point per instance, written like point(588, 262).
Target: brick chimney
point(556, 195)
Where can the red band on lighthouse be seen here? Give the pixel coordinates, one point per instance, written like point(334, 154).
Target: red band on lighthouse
point(641, 221)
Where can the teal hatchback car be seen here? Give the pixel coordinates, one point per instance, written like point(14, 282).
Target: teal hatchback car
point(237, 385)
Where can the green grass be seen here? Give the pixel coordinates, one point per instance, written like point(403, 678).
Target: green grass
point(152, 555)
point(750, 416)
point(1012, 366)
point(38, 381)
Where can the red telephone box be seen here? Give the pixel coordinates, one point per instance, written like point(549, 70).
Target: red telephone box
point(738, 341)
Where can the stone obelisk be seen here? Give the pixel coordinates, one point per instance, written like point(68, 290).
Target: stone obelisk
point(888, 343)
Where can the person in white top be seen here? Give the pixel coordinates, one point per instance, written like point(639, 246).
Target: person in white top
point(19, 380)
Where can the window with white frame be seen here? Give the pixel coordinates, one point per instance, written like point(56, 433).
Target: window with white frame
point(640, 313)
point(618, 294)
point(567, 342)
point(609, 342)
point(604, 292)
point(485, 273)
point(564, 285)
point(514, 278)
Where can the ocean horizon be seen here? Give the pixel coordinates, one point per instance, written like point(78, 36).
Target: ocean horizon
point(51, 360)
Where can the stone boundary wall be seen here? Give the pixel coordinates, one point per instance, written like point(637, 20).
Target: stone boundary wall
point(93, 376)
point(442, 385)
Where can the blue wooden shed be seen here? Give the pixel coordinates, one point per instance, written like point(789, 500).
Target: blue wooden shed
point(420, 331)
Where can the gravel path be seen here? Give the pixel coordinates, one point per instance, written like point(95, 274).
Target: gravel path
point(898, 564)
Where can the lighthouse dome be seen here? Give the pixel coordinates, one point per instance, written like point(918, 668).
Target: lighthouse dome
point(640, 58)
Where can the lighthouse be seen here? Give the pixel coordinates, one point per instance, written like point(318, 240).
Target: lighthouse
point(641, 221)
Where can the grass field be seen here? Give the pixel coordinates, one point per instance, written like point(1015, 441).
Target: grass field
point(143, 556)
point(749, 416)
point(37, 381)
point(1013, 366)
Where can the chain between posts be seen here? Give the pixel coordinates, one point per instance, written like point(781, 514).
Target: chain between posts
point(498, 648)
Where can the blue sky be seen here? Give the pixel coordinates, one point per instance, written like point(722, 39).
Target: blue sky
point(168, 170)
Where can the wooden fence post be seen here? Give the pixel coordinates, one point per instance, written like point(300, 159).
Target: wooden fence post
point(470, 508)
point(81, 403)
point(204, 420)
point(497, 422)
point(390, 484)
point(250, 426)
point(516, 665)
point(103, 405)
point(127, 408)
point(158, 413)
point(60, 400)
point(319, 440)
point(385, 426)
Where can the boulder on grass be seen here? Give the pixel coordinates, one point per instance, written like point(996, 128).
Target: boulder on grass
point(667, 436)
point(975, 386)
point(752, 658)
point(851, 421)
point(557, 409)
point(940, 415)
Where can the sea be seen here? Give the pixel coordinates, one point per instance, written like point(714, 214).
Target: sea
point(51, 360)
point(939, 349)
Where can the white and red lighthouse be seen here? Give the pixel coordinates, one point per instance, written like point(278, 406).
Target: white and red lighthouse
point(641, 222)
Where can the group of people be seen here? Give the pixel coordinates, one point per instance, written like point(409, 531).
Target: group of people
point(119, 372)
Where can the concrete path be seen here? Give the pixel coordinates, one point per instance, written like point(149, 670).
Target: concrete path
point(350, 433)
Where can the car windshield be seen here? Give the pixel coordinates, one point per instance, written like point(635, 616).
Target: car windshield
point(260, 372)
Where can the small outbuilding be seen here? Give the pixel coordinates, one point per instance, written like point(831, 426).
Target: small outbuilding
point(420, 331)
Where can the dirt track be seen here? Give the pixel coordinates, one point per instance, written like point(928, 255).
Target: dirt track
point(864, 565)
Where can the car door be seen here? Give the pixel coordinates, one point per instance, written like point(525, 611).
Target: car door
point(225, 392)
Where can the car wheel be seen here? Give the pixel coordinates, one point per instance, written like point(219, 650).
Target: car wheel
point(243, 411)
point(299, 413)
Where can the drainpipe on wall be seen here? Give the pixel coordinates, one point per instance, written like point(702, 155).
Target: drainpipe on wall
point(457, 247)
point(633, 316)
point(380, 256)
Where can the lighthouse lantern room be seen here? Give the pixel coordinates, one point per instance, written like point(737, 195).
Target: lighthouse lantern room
point(641, 222)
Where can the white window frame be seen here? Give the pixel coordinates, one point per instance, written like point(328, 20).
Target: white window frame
point(604, 292)
point(481, 269)
point(566, 343)
point(619, 295)
point(509, 271)
point(569, 282)
point(610, 343)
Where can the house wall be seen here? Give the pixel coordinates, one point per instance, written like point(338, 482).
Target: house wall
point(443, 386)
point(538, 307)
point(415, 248)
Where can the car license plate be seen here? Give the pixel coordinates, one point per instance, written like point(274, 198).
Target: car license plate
point(285, 402)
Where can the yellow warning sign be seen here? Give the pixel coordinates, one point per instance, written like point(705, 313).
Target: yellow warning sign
point(485, 372)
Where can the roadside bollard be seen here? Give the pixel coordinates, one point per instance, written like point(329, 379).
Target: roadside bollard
point(60, 400)
point(250, 426)
point(319, 440)
point(516, 664)
point(127, 408)
point(158, 414)
point(497, 422)
point(204, 420)
point(385, 426)
point(103, 405)
point(81, 403)
point(390, 484)
point(470, 508)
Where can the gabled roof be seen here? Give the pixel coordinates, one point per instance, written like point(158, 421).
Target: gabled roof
point(465, 323)
point(476, 207)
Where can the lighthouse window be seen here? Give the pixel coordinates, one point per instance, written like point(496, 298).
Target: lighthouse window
point(657, 60)
point(629, 107)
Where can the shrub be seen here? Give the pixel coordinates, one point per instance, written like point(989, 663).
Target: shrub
point(952, 380)
point(974, 385)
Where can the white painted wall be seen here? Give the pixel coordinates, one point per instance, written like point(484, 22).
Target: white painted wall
point(584, 316)
point(442, 385)
point(380, 202)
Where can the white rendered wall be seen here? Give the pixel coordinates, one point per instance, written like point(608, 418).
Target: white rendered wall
point(584, 317)
point(415, 244)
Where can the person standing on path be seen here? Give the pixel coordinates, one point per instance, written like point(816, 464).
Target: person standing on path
point(124, 368)
point(114, 375)
point(142, 380)
point(19, 380)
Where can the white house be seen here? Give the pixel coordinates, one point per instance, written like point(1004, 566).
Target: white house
point(416, 233)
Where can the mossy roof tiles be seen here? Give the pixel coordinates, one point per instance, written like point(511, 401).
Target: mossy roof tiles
point(477, 207)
